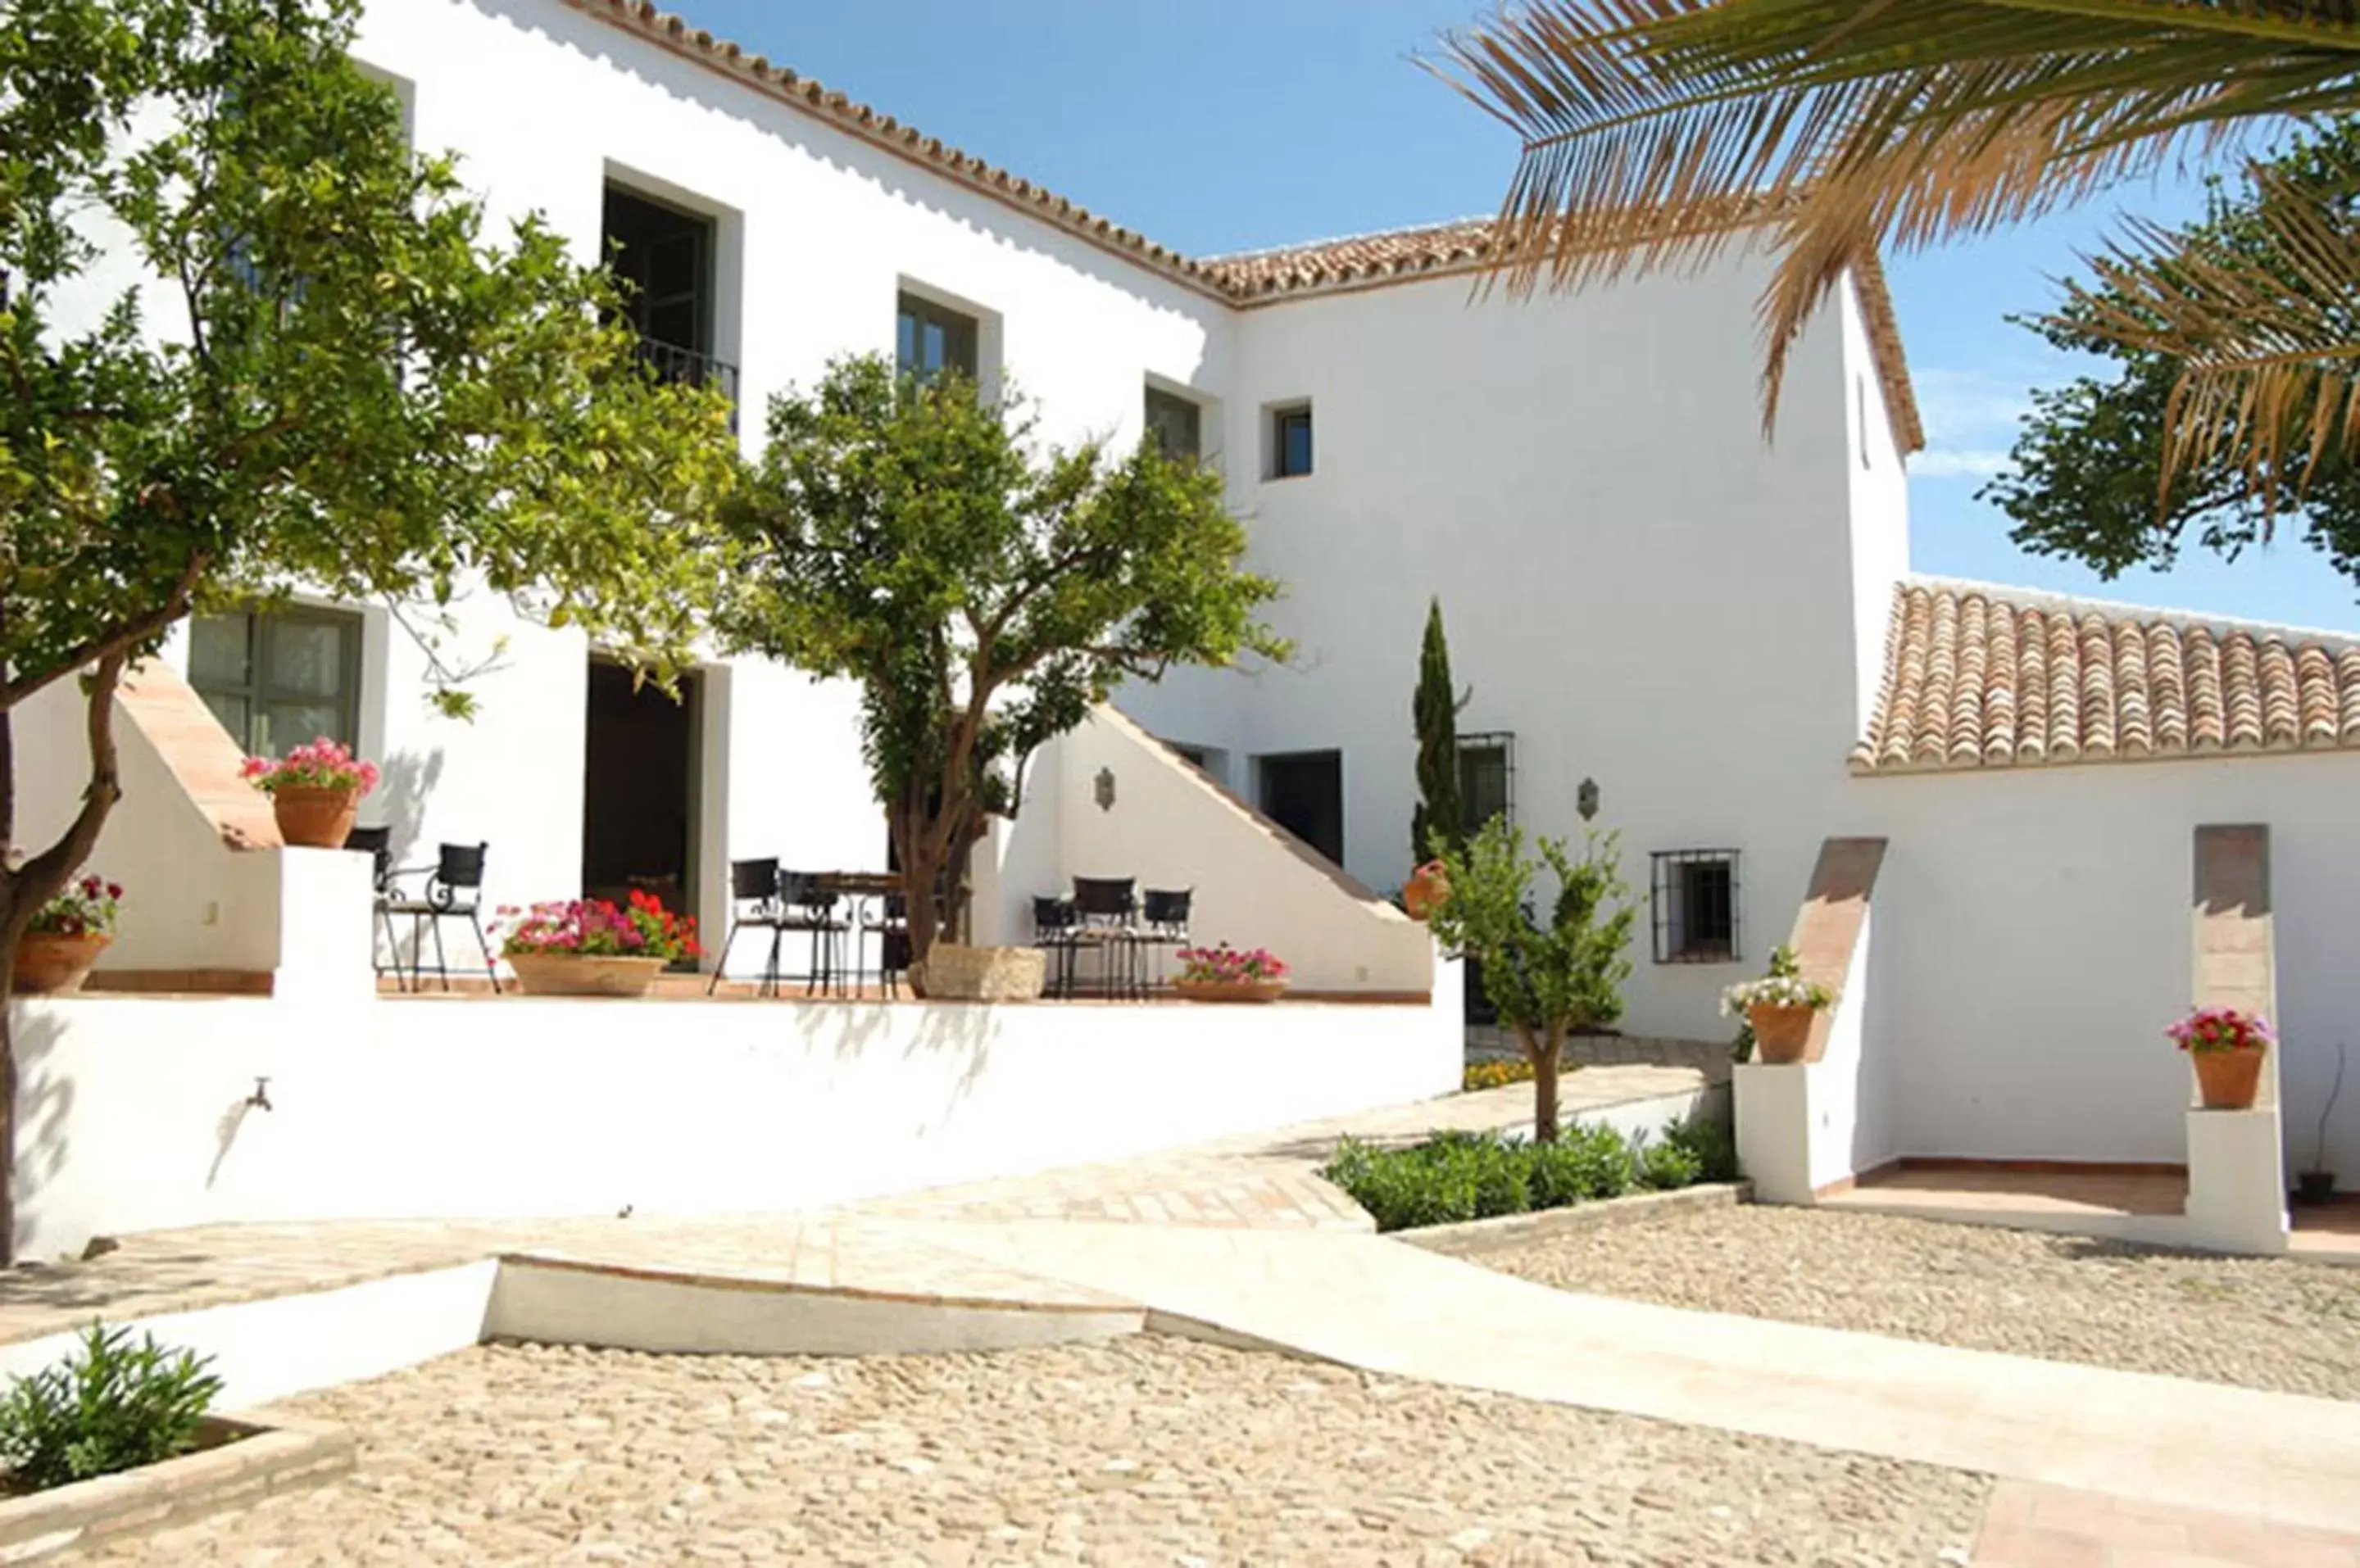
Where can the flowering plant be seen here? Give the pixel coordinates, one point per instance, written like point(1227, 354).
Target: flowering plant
point(2220, 1029)
point(87, 908)
point(593, 928)
point(1226, 965)
point(322, 764)
point(1783, 986)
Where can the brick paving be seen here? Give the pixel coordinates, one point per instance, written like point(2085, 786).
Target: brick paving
point(2028, 1526)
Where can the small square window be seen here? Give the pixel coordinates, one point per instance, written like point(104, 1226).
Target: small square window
point(1695, 906)
point(1290, 441)
point(1487, 778)
point(1175, 423)
point(929, 339)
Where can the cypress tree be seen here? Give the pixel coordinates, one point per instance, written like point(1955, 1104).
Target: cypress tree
point(1436, 709)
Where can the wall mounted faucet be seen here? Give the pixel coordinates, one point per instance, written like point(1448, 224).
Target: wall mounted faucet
point(260, 1098)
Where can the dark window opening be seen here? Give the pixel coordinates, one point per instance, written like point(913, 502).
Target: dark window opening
point(278, 681)
point(929, 339)
point(664, 258)
point(1290, 433)
point(1695, 906)
point(1304, 793)
point(1176, 424)
point(1487, 778)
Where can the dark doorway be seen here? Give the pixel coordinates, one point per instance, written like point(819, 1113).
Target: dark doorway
point(639, 790)
point(664, 258)
point(1304, 793)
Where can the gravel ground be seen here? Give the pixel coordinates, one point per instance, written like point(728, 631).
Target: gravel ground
point(1146, 1450)
point(2264, 1322)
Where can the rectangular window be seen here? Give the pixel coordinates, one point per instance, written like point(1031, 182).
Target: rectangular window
point(1695, 906)
point(1487, 778)
point(1304, 793)
point(929, 339)
point(278, 681)
point(1290, 441)
point(1175, 423)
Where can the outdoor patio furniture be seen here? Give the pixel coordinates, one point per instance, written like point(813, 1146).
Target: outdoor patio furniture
point(1163, 923)
point(376, 842)
point(1108, 907)
point(890, 923)
point(453, 891)
point(1055, 927)
point(753, 901)
point(810, 906)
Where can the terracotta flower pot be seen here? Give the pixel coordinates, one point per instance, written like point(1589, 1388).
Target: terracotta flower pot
point(1229, 990)
point(1781, 1035)
point(314, 819)
point(574, 974)
point(49, 964)
point(2228, 1080)
point(1427, 889)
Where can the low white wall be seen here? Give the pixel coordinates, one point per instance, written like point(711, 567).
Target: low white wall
point(1168, 827)
point(134, 1117)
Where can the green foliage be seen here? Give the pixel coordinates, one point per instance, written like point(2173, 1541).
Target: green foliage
point(114, 1406)
point(982, 590)
point(1543, 978)
point(1436, 823)
point(1455, 1176)
point(2085, 479)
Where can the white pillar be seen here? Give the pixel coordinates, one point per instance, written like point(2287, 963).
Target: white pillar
point(1773, 1129)
point(2237, 1183)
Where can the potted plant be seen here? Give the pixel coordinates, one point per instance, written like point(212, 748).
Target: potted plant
point(1224, 975)
point(587, 947)
point(1428, 889)
point(66, 937)
point(314, 791)
point(2226, 1047)
point(1779, 1008)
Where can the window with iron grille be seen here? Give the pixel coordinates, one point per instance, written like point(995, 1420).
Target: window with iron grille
point(1695, 906)
point(1175, 423)
point(1487, 778)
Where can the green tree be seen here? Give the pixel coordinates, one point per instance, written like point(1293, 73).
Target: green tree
point(1657, 134)
point(902, 535)
point(1547, 978)
point(1434, 708)
point(248, 342)
point(2088, 470)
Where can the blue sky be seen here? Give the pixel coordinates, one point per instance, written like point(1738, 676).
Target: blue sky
point(1226, 124)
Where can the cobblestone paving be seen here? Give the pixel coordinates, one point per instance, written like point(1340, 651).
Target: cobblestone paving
point(2264, 1322)
point(1141, 1451)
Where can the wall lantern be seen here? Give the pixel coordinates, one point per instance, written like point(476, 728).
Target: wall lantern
point(1585, 799)
point(1104, 789)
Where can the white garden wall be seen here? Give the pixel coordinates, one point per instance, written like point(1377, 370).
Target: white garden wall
point(134, 1113)
point(2034, 939)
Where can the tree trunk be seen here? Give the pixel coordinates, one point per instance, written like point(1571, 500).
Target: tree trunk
point(25, 889)
point(1542, 1049)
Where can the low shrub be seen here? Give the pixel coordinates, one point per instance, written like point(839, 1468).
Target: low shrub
point(114, 1406)
point(1457, 1176)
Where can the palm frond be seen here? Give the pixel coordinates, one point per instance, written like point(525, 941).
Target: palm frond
point(1656, 132)
point(2268, 337)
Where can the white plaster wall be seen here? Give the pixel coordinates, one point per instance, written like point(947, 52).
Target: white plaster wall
point(134, 1113)
point(1879, 505)
point(1847, 1089)
point(2034, 939)
point(1634, 583)
point(1168, 829)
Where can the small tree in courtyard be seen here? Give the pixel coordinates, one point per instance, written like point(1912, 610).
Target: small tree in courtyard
point(904, 535)
point(296, 361)
point(1436, 822)
point(1545, 978)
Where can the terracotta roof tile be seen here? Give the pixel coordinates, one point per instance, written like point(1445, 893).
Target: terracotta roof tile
point(1978, 677)
point(1245, 280)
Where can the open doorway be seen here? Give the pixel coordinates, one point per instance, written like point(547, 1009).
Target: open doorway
point(1304, 793)
point(639, 789)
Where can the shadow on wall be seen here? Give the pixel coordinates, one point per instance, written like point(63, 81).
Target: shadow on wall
point(407, 782)
point(45, 1107)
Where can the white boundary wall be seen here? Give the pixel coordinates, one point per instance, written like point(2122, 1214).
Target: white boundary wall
point(134, 1113)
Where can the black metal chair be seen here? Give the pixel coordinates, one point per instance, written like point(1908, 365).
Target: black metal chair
point(1163, 923)
point(1107, 907)
point(376, 842)
point(453, 891)
point(1056, 927)
point(889, 924)
point(753, 901)
point(805, 906)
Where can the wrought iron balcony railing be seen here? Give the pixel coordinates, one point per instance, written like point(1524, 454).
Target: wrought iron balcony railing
point(671, 362)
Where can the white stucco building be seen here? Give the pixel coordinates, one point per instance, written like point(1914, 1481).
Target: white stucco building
point(1639, 592)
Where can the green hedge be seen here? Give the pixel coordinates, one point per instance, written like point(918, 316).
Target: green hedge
point(1459, 1176)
